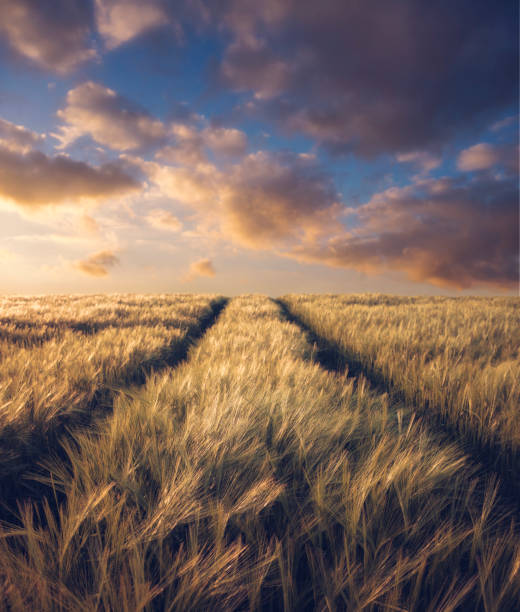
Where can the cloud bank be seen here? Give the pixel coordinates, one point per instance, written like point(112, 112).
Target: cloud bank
point(35, 179)
point(262, 201)
point(347, 73)
point(448, 232)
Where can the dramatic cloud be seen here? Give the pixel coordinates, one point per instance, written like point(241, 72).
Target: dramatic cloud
point(119, 21)
point(98, 263)
point(447, 232)
point(262, 201)
point(51, 33)
point(35, 179)
point(384, 76)
point(269, 199)
point(163, 220)
point(203, 267)
point(110, 119)
point(17, 138)
point(484, 156)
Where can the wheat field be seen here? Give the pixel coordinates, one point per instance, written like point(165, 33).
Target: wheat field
point(191, 453)
point(457, 358)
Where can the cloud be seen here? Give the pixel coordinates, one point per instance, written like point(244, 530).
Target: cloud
point(163, 220)
point(54, 34)
point(391, 78)
point(191, 143)
point(425, 161)
point(447, 232)
point(263, 200)
point(98, 263)
point(500, 125)
point(109, 118)
point(484, 156)
point(119, 21)
point(225, 141)
point(203, 267)
point(18, 138)
point(35, 179)
point(269, 199)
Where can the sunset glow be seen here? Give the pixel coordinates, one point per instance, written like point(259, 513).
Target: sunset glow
point(244, 146)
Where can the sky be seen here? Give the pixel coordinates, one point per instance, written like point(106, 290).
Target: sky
point(272, 146)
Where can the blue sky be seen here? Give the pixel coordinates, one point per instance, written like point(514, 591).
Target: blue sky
point(271, 147)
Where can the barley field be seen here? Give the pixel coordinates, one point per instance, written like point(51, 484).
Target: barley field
point(186, 452)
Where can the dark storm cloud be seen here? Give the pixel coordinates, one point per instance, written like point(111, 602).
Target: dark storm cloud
point(53, 34)
point(35, 179)
point(374, 76)
point(448, 232)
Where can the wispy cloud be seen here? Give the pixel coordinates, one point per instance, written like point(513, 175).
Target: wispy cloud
point(163, 220)
point(423, 160)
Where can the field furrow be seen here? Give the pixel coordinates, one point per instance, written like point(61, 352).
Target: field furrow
point(46, 391)
point(249, 478)
point(455, 360)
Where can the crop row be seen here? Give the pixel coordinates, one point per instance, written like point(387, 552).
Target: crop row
point(58, 384)
point(456, 359)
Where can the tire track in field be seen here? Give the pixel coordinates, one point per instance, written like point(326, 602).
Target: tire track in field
point(486, 458)
point(22, 483)
point(26, 333)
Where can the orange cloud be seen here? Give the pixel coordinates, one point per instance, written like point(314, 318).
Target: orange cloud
point(203, 267)
point(163, 220)
point(98, 263)
point(35, 179)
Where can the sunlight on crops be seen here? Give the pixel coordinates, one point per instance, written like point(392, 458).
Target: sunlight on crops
point(249, 478)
